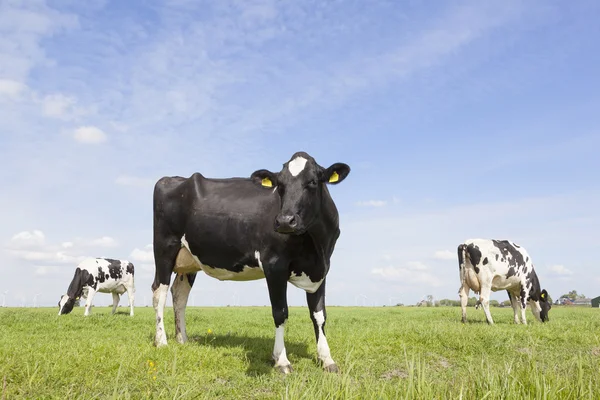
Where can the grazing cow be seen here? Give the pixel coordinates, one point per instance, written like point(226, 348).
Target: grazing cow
point(487, 265)
point(102, 275)
point(279, 226)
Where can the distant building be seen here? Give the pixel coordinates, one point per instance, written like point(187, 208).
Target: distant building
point(596, 302)
point(582, 302)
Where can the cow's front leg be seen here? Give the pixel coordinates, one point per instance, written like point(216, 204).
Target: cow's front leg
point(181, 292)
point(88, 302)
point(116, 299)
point(514, 303)
point(277, 283)
point(484, 298)
point(318, 315)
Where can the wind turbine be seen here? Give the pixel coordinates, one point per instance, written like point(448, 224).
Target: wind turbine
point(391, 299)
point(35, 300)
point(4, 298)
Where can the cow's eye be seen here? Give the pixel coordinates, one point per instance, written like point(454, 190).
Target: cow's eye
point(312, 183)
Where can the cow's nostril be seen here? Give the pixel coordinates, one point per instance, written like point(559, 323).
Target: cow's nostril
point(293, 221)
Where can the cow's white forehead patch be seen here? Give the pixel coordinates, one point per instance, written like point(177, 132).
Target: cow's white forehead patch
point(297, 165)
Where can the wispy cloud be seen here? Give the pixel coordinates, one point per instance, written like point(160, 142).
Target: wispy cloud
point(445, 255)
point(413, 272)
point(560, 270)
point(134, 181)
point(372, 203)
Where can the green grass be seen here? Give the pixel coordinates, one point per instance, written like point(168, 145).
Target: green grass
point(387, 353)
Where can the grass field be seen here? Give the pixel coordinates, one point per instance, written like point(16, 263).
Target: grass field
point(390, 352)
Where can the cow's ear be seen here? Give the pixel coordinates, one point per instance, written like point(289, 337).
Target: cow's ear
point(544, 295)
point(264, 178)
point(335, 174)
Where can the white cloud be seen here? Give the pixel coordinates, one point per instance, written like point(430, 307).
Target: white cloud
point(67, 245)
point(46, 269)
point(414, 272)
point(104, 241)
point(134, 181)
point(145, 256)
point(560, 270)
point(27, 239)
point(89, 135)
point(372, 203)
point(59, 106)
point(46, 255)
point(10, 88)
point(445, 255)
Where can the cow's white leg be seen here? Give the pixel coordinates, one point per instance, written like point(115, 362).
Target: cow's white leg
point(180, 290)
point(88, 302)
point(463, 292)
point(484, 298)
point(159, 298)
point(116, 299)
point(523, 307)
point(279, 354)
point(277, 284)
point(131, 298)
point(514, 303)
point(318, 315)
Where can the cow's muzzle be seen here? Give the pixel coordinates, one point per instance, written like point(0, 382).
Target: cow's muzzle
point(286, 223)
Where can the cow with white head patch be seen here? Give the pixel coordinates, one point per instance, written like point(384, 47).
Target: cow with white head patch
point(281, 226)
point(492, 265)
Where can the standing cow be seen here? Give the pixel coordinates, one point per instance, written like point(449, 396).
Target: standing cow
point(487, 265)
point(103, 275)
point(279, 226)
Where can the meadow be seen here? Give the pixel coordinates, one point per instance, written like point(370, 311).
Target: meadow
point(383, 353)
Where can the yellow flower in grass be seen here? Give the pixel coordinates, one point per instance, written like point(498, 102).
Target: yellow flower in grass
point(209, 331)
point(151, 363)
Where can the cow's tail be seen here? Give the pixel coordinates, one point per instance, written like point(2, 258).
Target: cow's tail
point(462, 257)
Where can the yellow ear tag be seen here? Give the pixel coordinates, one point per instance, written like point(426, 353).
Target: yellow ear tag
point(334, 177)
point(543, 296)
point(266, 182)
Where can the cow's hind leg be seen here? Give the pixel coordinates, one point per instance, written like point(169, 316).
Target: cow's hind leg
point(165, 252)
point(131, 298)
point(116, 299)
point(181, 290)
point(463, 292)
point(277, 284)
point(318, 315)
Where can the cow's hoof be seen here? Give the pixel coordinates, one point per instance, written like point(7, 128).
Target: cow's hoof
point(160, 343)
point(464, 320)
point(284, 369)
point(332, 368)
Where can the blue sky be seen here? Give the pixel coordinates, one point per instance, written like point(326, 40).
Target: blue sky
point(467, 119)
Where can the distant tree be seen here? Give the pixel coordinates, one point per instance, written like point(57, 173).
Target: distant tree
point(573, 295)
point(494, 303)
point(472, 301)
point(506, 303)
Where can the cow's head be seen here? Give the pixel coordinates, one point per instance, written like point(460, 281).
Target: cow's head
point(545, 306)
point(301, 185)
point(65, 305)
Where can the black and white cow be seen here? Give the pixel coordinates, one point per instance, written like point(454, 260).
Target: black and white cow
point(279, 226)
point(103, 275)
point(492, 265)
